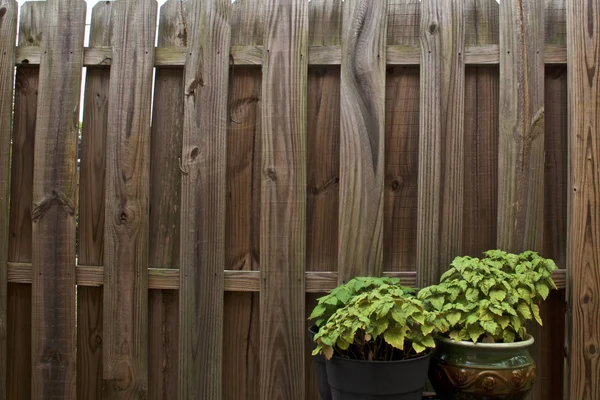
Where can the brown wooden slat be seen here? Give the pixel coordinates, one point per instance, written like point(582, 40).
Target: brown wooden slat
point(203, 196)
point(19, 247)
point(125, 351)
point(583, 251)
point(283, 200)
point(481, 133)
point(360, 241)
point(401, 141)
point(165, 189)
point(441, 147)
point(241, 323)
point(8, 32)
point(91, 210)
point(54, 335)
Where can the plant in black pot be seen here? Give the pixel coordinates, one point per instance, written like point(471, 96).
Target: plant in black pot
point(487, 302)
point(377, 345)
point(328, 305)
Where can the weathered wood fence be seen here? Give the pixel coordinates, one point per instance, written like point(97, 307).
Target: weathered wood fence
point(285, 146)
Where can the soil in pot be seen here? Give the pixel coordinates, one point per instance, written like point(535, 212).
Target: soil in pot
point(320, 369)
point(482, 371)
point(377, 380)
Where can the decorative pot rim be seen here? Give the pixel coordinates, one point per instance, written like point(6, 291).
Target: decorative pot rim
point(498, 346)
point(427, 354)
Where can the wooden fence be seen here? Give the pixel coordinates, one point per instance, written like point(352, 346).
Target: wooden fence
point(280, 147)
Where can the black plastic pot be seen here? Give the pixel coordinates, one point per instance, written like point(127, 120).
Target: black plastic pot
point(321, 370)
point(377, 380)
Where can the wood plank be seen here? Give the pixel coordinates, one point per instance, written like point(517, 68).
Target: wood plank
point(91, 210)
point(125, 351)
point(165, 200)
point(401, 141)
point(360, 245)
point(283, 200)
point(8, 31)
point(441, 150)
point(241, 323)
point(480, 201)
point(19, 296)
point(54, 334)
point(583, 249)
point(202, 247)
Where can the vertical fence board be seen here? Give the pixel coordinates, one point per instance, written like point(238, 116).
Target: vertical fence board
point(441, 150)
point(401, 142)
point(19, 250)
point(91, 209)
point(203, 193)
point(360, 248)
point(125, 317)
point(165, 189)
point(241, 315)
point(54, 334)
point(481, 133)
point(283, 200)
point(8, 31)
point(583, 254)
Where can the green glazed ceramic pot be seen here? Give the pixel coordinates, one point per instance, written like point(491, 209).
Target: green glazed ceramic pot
point(482, 371)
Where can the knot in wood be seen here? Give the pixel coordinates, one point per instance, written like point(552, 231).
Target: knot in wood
point(2, 11)
point(271, 175)
point(433, 27)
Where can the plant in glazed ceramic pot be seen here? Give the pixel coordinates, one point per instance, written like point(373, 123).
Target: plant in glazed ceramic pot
point(486, 303)
point(327, 305)
point(377, 344)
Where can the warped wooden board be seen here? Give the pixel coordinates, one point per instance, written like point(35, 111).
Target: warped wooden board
point(283, 200)
point(19, 245)
point(441, 147)
point(125, 351)
point(202, 238)
point(8, 32)
point(362, 108)
point(91, 210)
point(583, 260)
point(165, 201)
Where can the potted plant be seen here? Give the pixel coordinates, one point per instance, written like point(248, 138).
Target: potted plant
point(378, 345)
point(486, 303)
point(327, 306)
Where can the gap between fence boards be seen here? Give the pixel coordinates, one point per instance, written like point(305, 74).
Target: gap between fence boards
point(235, 280)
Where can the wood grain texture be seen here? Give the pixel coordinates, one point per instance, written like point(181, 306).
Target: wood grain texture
point(165, 189)
point(360, 245)
point(521, 145)
point(283, 200)
point(441, 150)
point(401, 140)
point(241, 324)
point(8, 32)
point(583, 249)
point(202, 243)
point(19, 296)
point(125, 317)
point(54, 334)
point(91, 210)
point(481, 133)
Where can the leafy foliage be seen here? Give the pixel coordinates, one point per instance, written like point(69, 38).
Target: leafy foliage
point(341, 295)
point(384, 323)
point(489, 299)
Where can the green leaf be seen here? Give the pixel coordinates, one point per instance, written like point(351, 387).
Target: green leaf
point(508, 336)
point(490, 326)
point(503, 321)
point(497, 295)
point(328, 352)
point(426, 329)
point(419, 317)
point(395, 337)
point(453, 317)
point(535, 309)
point(437, 302)
point(472, 295)
point(455, 335)
point(419, 348)
point(542, 290)
point(474, 332)
point(524, 310)
point(428, 341)
point(317, 311)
